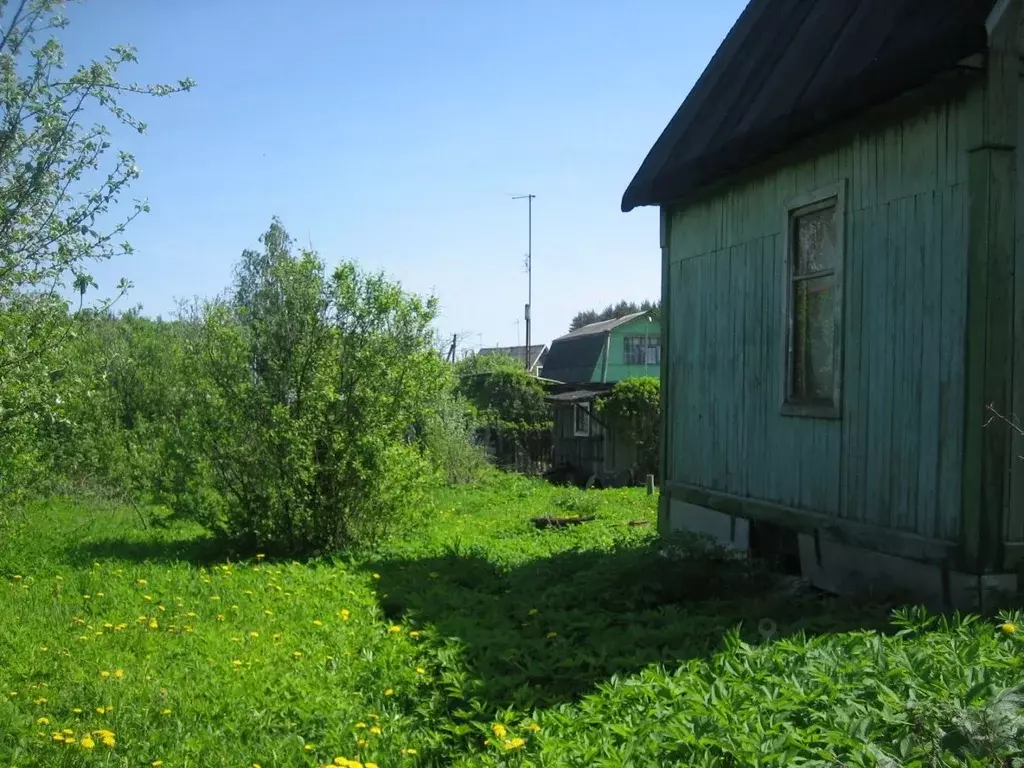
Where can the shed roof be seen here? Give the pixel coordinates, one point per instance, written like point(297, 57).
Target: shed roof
point(790, 68)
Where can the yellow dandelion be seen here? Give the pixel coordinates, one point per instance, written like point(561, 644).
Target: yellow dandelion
point(255, 765)
point(87, 742)
point(153, 624)
point(308, 747)
point(17, 577)
point(77, 710)
point(58, 737)
point(268, 612)
point(108, 741)
point(532, 612)
point(344, 614)
point(157, 763)
point(360, 725)
point(99, 594)
point(362, 742)
point(254, 634)
point(409, 751)
point(215, 597)
point(260, 556)
point(376, 575)
point(70, 740)
point(296, 654)
point(118, 673)
point(42, 721)
point(389, 691)
point(108, 708)
point(394, 628)
point(104, 673)
point(141, 582)
point(43, 648)
point(99, 710)
point(317, 623)
point(147, 598)
point(165, 712)
point(421, 671)
point(1009, 628)
point(499, 730)
point(414, 633)
point(86, 597)
point(533, 727)
point(517, 743)
point(236, 663)
point(370, 765)
point(220, 617)
point(376, 730)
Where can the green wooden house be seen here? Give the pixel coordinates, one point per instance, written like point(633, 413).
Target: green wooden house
point(843, 292)
point(606, 351)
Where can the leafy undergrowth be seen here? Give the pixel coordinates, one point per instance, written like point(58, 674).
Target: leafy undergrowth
point(482, 642)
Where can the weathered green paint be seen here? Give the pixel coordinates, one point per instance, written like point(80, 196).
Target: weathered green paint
point(894, 458)
point(612, 366)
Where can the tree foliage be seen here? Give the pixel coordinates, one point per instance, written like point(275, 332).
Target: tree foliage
point(507, 398)
point(634, 409)
point(613, 312)
point(57, 194)
point(308, 388)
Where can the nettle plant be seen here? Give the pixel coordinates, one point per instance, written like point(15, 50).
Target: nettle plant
point(308, 389)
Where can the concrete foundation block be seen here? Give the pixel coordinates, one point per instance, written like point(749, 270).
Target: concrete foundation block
point(726, 530)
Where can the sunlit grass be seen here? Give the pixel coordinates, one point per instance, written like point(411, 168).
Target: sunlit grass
point(480, 642)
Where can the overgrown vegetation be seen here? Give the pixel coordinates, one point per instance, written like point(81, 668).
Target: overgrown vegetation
point(634, 408)
point(481, 641)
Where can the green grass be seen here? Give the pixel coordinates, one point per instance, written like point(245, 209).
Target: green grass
point(480, 642)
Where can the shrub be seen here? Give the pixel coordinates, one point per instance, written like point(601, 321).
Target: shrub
point(634, 407)
point(307, 391)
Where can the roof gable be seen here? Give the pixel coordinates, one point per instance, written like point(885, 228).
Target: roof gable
point(790, 68)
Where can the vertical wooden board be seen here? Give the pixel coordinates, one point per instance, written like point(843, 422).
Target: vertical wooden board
point(769, 354)
point(970, 116)
point(726, 358)
point(899, 224)
point(700, 378)
point(1014, 528)
point(880, 389)
point(915, 273)
point(683, 343)
point(931, 349)
point(893, 179)
point(850, 498)
point(826, 168)
point(755, 395)
point(919, 155)
point(741, 298)
point(941, 146)
point(951, 363)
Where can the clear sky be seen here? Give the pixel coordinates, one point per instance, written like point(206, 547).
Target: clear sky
point(393, 133)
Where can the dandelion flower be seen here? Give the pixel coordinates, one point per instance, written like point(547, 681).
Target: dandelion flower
point(344, 614)
point(409, 751)
point(99, 710)
point(67, 732)
point(165, 711)
point(141, 582)
point(499, 730)
point(308, 747)
point(220, 617)
point(517, 743)
point(215, 597)
point(147, 598)
point(317, 623)
point(533, 727)
point(153, 624)
point(414, 633)
point(87, 742)
point(532, 612)
point(421, 671)
point(362, 742)
point(118, 673)
point(157, 763)
point(42, 721)
point(370, 765)
point(17, 577)
point(108, 741)
point(260, 556)
point(236, 663)
point(394, 628)
point(376, 730)
point(389, 691)
point(77, 710)
point(254, 634)
point(376, 575)
point(1009, 628)
point(268, 612)
point(360, 725)
point(104, 673)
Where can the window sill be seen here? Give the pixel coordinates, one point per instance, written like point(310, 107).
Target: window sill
point(812, 410)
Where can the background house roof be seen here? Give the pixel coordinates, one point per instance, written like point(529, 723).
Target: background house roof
point(788, 69)
point(573, 357)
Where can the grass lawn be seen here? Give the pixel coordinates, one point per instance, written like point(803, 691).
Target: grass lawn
point(480, 642)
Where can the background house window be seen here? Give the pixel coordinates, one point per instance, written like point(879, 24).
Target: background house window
point(581, 419)
point(814, 261)
point(641, 350)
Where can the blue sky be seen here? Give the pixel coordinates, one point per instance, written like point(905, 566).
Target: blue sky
point(393, 133)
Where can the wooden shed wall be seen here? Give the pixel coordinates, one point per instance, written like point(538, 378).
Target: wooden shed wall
point(894, 458)
point(603, 452)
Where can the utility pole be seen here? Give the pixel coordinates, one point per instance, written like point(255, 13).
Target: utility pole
point(529, 268)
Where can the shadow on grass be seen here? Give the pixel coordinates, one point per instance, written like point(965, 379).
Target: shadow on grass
point(549, 631)
point(202, 549)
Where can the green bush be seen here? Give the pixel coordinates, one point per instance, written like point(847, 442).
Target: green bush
point(634, 407)
point(307, 390)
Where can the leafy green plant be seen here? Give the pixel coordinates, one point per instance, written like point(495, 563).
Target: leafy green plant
point(56, 189)
point(634, 408)
point(308, 390)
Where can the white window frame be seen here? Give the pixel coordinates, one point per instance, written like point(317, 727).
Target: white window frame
point(832, 194)
point(576, 409)
point(646, 344)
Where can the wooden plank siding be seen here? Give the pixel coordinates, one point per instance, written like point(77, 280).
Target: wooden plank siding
point(894, 458)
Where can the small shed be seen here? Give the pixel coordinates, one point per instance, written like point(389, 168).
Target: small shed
point(585, 447)
point(607, 351)
point(842, 236)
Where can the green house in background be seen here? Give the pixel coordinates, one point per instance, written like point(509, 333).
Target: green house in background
point(607, 351)
point(842, 231)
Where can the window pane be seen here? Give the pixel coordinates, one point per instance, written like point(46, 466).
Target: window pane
point(813, 342)
point(815, 241)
